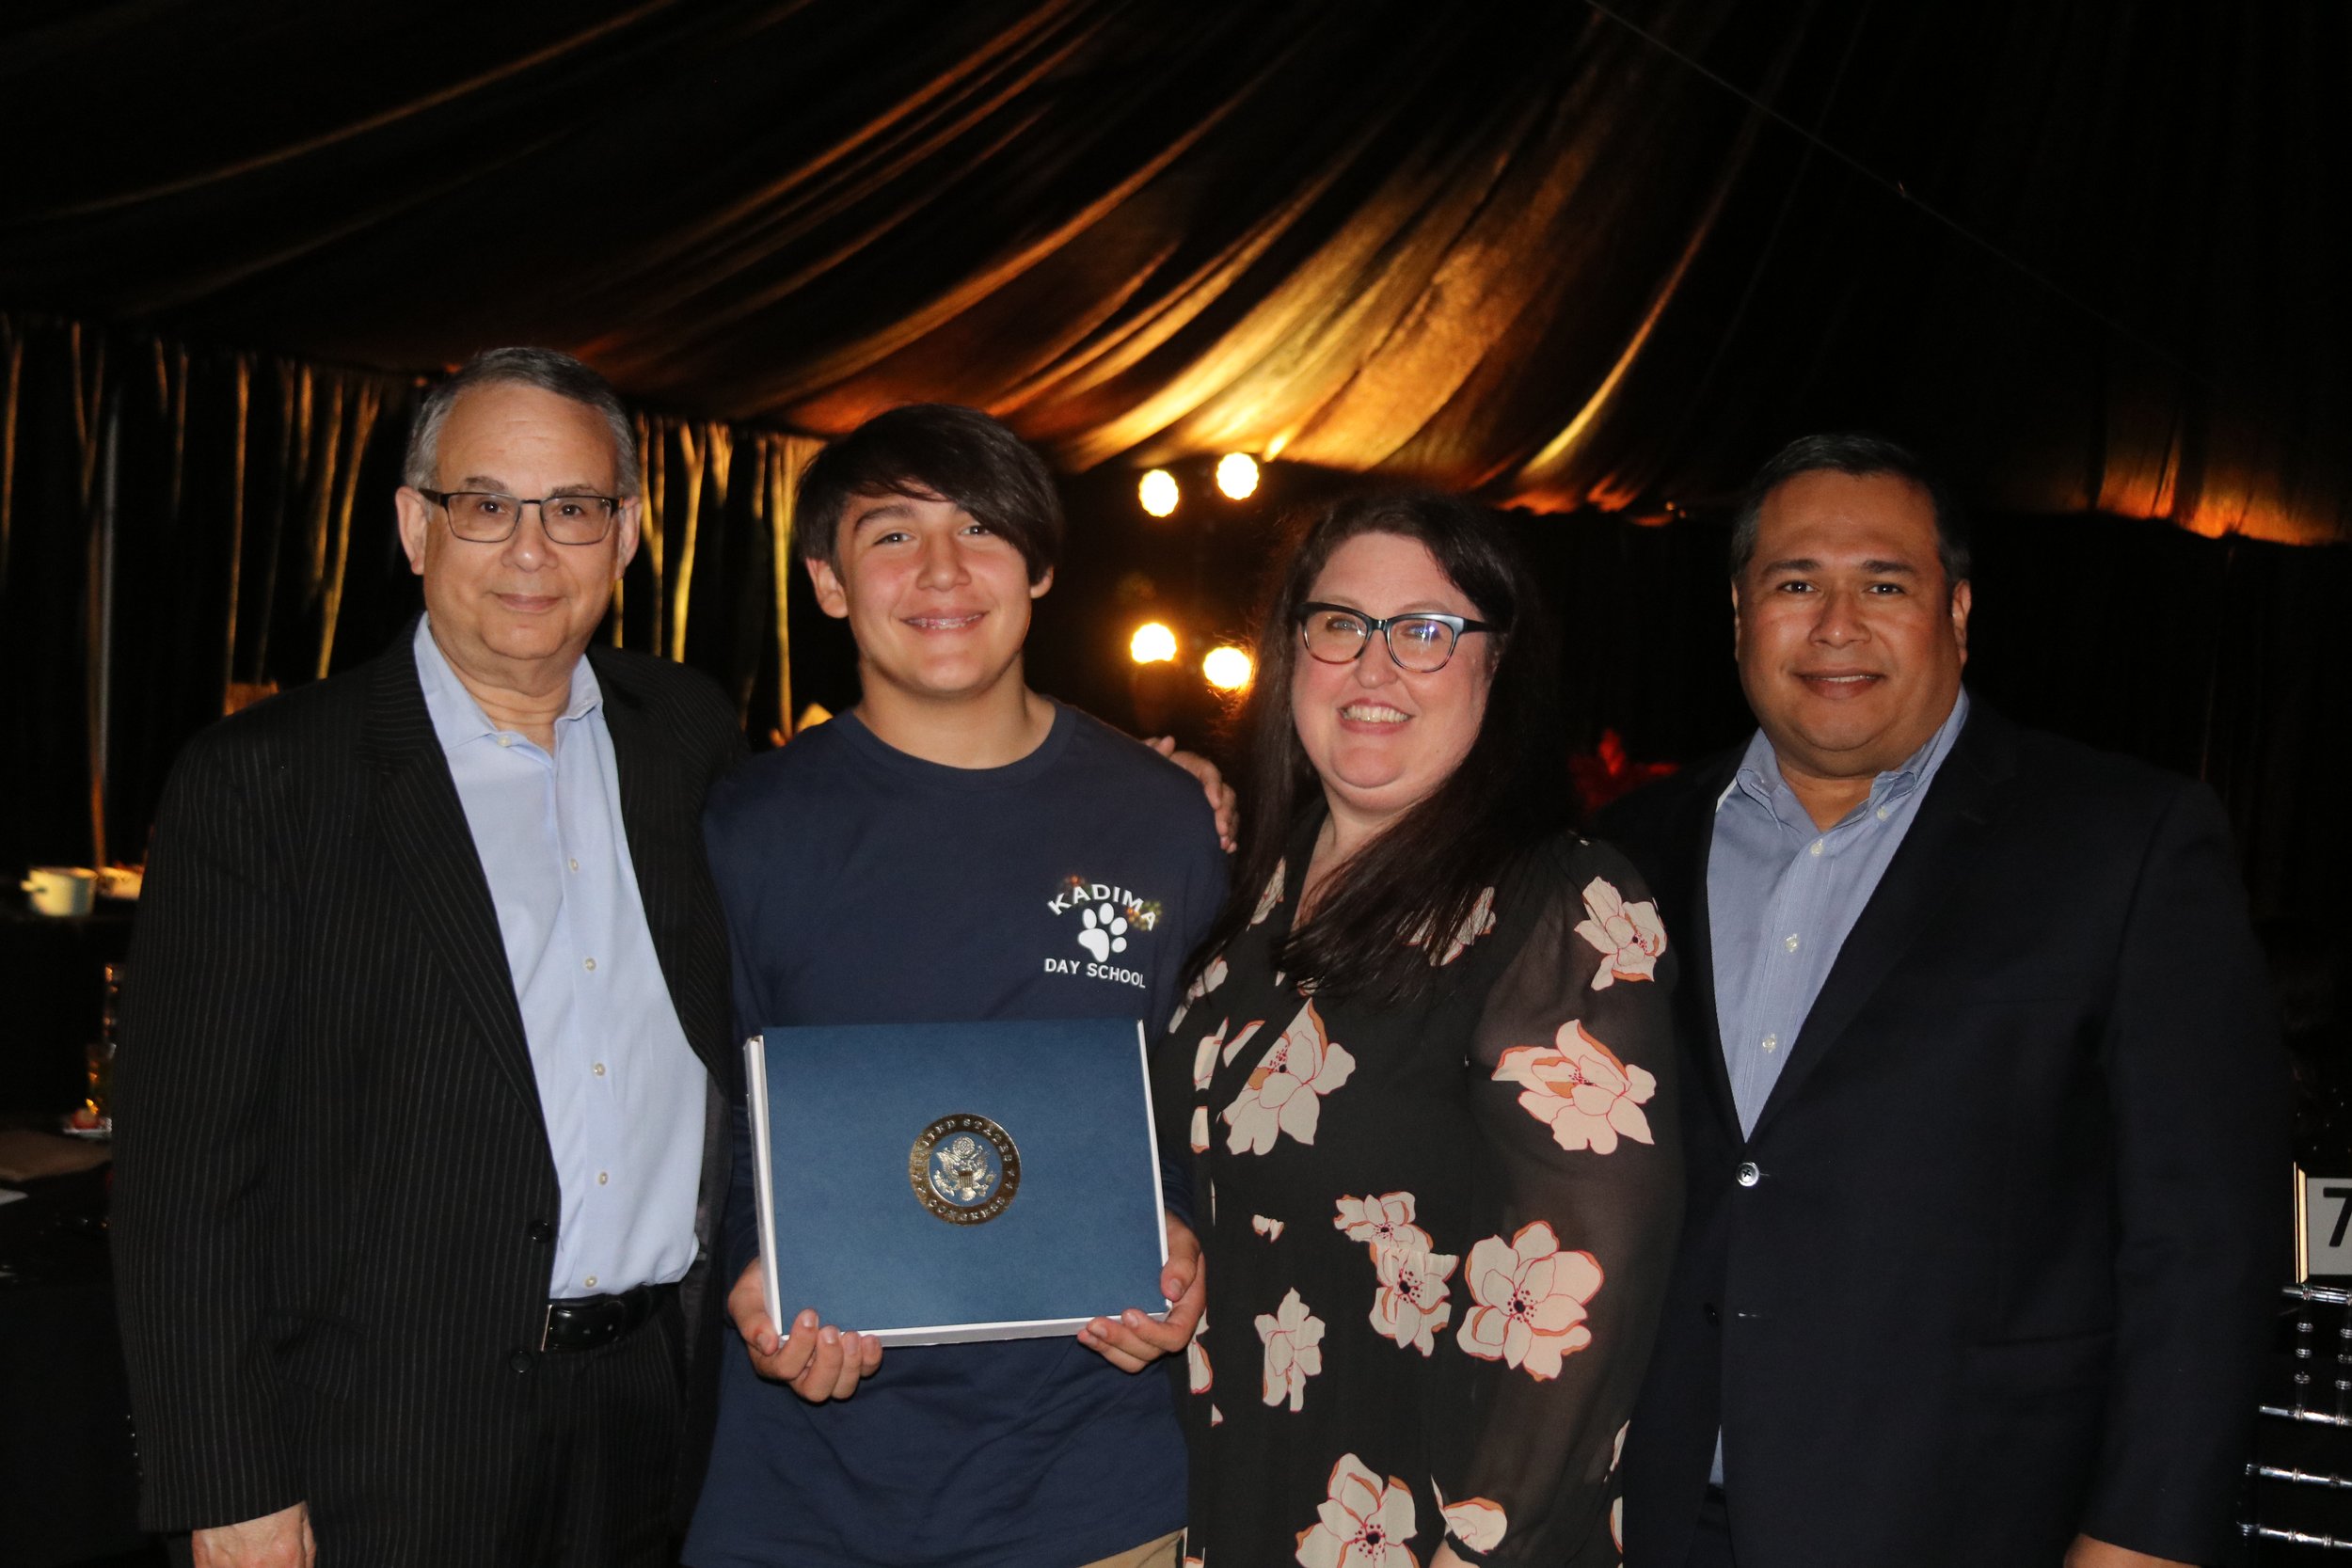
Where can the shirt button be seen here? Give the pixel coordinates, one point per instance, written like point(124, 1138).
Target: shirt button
point(592, 965)
point(598, 1070)
point(574, 862)
point(506, 740)
point(1791, 943)
point(1816, 846)
point(1885, 812)
point(602, 1177)
point(1771, 1042)
point(1748, 1176)
point(590, 1282)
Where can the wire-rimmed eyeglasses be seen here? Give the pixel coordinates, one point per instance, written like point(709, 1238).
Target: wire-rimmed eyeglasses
point(1423, 641)
point(487, 518)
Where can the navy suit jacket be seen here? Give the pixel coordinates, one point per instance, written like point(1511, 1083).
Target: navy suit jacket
point(1996, 1263)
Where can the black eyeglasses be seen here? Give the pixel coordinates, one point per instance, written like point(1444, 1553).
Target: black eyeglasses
point(486, 518)
point(1423, 641)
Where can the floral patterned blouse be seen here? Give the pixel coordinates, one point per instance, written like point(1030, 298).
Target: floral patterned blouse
point(1436, 1236)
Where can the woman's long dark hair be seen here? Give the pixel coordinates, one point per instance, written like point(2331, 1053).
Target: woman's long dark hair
point(1383, 917)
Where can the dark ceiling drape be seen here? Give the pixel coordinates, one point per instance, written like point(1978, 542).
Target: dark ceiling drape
point(1577, 257)
point(1570, 255)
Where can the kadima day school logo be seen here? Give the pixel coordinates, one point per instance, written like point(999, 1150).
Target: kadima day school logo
point(1109, 918)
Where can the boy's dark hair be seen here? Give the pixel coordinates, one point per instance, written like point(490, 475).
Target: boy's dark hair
point(1371, 934)
point(1859, 455)
point(934, 451)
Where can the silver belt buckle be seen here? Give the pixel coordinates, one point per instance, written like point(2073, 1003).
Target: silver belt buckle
point(547, 1326)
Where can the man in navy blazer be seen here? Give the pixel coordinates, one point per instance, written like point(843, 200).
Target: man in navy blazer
point(1987, 1151)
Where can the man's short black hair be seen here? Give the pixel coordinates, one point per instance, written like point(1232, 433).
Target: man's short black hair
point(1860, 455)
point(935, 451)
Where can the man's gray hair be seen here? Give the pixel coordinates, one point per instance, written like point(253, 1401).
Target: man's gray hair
point(543, 367)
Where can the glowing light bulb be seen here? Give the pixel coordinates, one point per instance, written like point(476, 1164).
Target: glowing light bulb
point(1153, 643)
point(1237, 475)
point(1228, 669)
point(1158, 492)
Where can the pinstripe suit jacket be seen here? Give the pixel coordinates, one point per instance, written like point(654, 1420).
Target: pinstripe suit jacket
point(334, 1196)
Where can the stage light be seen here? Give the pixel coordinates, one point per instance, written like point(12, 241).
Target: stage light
point(1237, 475)
point(1158, 492)
point(1228, 669)
point(1153, 643)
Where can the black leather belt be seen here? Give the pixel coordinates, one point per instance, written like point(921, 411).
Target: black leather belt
point(584, 1323)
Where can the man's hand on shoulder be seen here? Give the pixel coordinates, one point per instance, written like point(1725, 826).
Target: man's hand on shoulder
point(2086, 1553)
point(1222, 798)
point(818, 1361)
point(280, 1540)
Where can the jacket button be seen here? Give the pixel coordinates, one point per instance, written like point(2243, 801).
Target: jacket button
point(540, 1231)
point(519, 1360)
point(1706, 1309)
point(1748, 1176)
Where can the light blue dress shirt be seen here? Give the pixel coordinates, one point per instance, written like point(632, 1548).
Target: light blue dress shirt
point(1782, 894)
point(1782, 897)
point(621, 1091)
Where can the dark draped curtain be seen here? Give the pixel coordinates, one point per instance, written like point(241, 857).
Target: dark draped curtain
point(184, 530)
point(1590, 259)
point(1570, 255)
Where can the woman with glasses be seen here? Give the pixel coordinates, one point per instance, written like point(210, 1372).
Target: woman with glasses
point(1421, 1083)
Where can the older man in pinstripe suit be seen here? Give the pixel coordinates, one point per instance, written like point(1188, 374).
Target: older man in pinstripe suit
point(426, 1036)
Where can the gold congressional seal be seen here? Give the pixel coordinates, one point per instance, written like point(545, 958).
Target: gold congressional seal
point(964, 1168)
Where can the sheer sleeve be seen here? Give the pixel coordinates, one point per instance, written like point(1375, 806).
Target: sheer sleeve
point(1576, 1205)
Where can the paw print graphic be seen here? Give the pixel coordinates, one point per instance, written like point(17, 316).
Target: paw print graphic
point(1105, 933)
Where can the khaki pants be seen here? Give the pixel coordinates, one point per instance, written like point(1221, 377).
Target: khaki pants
point(1163, 1553)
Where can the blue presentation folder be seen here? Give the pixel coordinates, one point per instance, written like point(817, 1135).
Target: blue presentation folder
point(868, 1135)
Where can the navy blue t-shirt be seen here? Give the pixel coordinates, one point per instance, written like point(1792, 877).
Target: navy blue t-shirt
point(862, 885)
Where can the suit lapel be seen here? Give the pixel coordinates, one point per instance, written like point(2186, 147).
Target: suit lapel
point(658, 804)
point(1960, 807)
point(424, 828)
point(1694, 836)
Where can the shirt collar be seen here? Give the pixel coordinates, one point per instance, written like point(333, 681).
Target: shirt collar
point(458, 719)
point(1758, 777)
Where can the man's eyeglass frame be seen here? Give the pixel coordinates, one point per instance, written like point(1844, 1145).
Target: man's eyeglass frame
point(442, 498)
point(1376, 626)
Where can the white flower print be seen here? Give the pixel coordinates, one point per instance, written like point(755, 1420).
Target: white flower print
point(1480, 921)
point(1362, 1524)
point(1630, 937)
point(1199, 1129)
point(1616, 1509)
point(1205, 982)
point(1530, 1299)
point(1580, 1087)
point(1478, 1523)
point(1204, 1054)
point(1197, 1360)
point(1270, 1230)
point(1284, 1092)
point(1241, 1037)
point(1411, 1304)
point(1271, 896)
point(1293, 1351)
point(1385, 1221)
